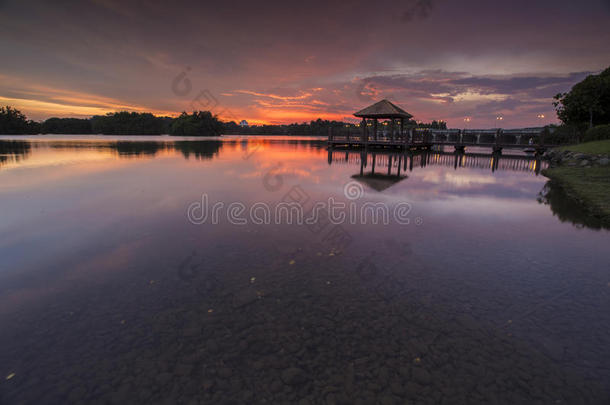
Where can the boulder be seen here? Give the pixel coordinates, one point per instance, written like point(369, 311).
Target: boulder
point(293, 376)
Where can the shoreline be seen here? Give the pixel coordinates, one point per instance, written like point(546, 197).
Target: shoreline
point(584, 177)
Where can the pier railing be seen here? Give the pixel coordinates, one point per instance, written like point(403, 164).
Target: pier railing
point(422, 137)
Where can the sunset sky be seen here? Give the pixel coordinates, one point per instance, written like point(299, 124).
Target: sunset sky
point(283, 62)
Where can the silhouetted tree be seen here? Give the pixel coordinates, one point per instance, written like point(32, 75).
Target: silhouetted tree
point(66, 126)
point(14, 122)
point(587, 104)
point(199, 123)
point(128, 123)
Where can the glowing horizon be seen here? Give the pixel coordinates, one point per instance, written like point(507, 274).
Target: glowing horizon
point(282, 65)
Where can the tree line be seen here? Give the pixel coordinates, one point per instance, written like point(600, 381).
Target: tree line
point(584, 111)
point(198, 123)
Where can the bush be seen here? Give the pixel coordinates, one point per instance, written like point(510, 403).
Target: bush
point(598, 133)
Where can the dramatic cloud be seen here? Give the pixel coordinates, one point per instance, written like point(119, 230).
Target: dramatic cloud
point(295, 61)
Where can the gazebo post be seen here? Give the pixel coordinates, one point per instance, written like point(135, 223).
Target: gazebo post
point(363, 125)
point(375, 129)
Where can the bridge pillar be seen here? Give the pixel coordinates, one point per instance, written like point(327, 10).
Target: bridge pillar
point(478, 138)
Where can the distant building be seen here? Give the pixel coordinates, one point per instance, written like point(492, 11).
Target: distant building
point(243, 123)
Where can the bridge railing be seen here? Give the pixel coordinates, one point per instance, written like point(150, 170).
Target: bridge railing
point(518, 137)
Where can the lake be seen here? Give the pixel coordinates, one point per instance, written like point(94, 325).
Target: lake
point(270, 270)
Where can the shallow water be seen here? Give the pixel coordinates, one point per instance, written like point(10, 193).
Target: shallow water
point(490, 287)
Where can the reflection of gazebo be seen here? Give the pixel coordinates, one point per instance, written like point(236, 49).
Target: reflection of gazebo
point(383, 110)
point(379, 181)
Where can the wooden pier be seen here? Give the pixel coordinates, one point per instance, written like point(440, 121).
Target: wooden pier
point(419, 138)
point(397, 136)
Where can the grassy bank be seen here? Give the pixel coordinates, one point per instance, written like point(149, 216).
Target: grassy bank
point(590, 186)
point(591, 148)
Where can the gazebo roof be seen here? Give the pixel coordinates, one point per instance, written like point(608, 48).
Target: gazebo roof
point(383, 109)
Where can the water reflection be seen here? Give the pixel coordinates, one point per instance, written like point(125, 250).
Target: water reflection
point(567, 209)
point(13, 151)
point(109, 294)
point(199, 150)
point(409, 160)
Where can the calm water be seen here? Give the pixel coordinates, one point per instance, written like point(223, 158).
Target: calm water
point(497, 290)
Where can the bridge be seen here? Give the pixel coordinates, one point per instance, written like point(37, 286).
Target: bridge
point(394, 134)
point(424, 138)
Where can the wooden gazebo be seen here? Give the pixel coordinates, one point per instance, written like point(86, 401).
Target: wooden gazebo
point(383, 110)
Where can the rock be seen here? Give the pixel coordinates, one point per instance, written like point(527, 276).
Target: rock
point(584, 163)
point(163, 378)
point(397, 388)
point(276, 386)
point(384, 374)
point(77, 394)
point(603, 161)
point(183, 369)
point(293, 376)
point(413, 389)
point(247, 396)
point(387, 400)
point(208, 384)
point(244, 297)
point(225, 372)
point(212, 346)
point(191, 332)
point(421, 376)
